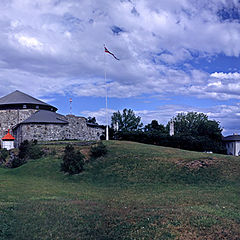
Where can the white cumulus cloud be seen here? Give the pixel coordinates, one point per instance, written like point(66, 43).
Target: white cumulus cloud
point(222, 75)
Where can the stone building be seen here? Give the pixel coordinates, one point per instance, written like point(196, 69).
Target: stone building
point(31, 119)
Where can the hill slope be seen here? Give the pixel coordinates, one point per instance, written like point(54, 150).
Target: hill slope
point(137, 191)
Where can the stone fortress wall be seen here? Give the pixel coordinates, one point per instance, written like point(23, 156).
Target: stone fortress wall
point(76, 128)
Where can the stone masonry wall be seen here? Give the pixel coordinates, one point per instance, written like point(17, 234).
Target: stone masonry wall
point(77, 128)
point(10, 118)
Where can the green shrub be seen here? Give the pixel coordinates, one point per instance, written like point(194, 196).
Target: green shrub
point(3, 155)
point(30, 150)
point(27, 150)
point(35, 152)
point(98, 150)
point(53, 152)
point(72, 161)
point(23, 149)
point(16, 162)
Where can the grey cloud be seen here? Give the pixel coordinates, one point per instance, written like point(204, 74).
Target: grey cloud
point(54, 41)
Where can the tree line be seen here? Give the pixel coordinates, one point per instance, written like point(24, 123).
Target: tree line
point(192, 131)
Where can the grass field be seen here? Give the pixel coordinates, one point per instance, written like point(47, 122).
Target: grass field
point(136, 191)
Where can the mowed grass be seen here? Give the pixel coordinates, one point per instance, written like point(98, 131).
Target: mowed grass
point(136, 191)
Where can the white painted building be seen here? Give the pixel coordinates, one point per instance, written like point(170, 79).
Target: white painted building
point(8, 141)
point(232, 143)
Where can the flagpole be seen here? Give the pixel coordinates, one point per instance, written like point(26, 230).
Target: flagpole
point(106, 98)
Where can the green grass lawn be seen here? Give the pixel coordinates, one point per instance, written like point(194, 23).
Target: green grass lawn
point(136, 191)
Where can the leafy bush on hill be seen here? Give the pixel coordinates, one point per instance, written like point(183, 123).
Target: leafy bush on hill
point(72, 161)
point(3, 155)
point(30, 150)
point(27, 150)
point(15, 161)
point(98, 150)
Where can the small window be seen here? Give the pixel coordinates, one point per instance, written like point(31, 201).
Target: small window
point(24, 106)
point(37, 107)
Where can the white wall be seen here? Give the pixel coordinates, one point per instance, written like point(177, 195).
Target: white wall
point(8, 144)
point(233, 148)
point(237, 148)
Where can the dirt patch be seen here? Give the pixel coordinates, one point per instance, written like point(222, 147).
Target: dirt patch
point(196, 164)
point(86, 152)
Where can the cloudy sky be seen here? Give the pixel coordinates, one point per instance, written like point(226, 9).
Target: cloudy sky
point(175, 55)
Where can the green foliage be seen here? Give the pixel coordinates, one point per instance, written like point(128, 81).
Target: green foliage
point(27, 150)
point(72, 161)
point(127, 121)
point(4, 153)
point(53, 152)
point(194, 143)
point(24, 149)
point(92, 120)
point(16, 161)
point(98, 150)
point(154, 126)
point(196, 124)
point(192, 131)
point(30, 150)
point(35, 152)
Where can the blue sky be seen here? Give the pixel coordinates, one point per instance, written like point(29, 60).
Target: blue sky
point(175, 56)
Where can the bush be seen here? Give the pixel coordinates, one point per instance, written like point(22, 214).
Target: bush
point(14, 161)
point(72, 161)
point(98, 150)
point(27, 150)
point(3, 155)
point(30, 150)
point(35, 152)
point(53, 152)
point(23, 149)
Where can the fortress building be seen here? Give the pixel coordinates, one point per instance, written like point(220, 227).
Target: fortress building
point(31, 119)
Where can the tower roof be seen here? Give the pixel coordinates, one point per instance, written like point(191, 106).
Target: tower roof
point(20, 98)
point(8, 136)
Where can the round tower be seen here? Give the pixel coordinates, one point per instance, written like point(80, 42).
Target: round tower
point(17, 107)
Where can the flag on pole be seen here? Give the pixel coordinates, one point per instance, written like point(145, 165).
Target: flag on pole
point(106, 51)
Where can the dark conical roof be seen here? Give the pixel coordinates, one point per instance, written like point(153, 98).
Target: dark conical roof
point(44, 116)
point(20, 98)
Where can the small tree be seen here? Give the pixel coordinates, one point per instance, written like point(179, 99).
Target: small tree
point(98, 150)
point(127, 121)
point(72, 161)
point(154, 126)
point(92, 120)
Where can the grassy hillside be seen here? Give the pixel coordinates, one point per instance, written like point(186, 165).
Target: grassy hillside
point(136, 192)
